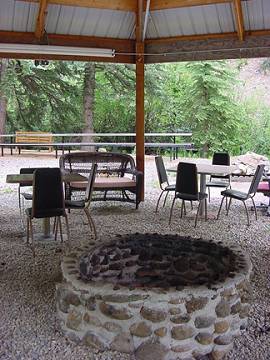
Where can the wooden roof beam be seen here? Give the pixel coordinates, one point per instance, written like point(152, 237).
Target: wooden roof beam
point(170, 4)
point(131, 5)
point(40, 23)
point(239, 19)
point(121, 46)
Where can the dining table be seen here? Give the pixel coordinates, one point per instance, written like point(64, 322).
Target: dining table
point(28, 179)
point(204, 169)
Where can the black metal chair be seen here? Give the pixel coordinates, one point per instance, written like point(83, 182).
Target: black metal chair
point(164, 184)
point(24, 195)
point(219, 158)
point(48, 201)
point(186, 188)
point(242, 196)
point(85, 204)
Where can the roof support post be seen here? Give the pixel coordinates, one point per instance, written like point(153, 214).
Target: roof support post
point(239, 19)
point(140, 152)
point(40, 23)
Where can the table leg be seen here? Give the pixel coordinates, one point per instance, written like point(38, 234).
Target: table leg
point(46, 228)
point(202, 190)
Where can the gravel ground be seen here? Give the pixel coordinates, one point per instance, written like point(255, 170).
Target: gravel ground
point(28, 324)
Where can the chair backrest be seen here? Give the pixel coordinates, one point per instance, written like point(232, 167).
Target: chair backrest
point(48, 194)
point(26, 171)
point(221, 158)
point(90, 184)
point(186, 179)
point(256, 179)
point(161, 171)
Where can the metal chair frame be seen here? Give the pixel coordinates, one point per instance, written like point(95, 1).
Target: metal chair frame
point(24, 196)
point(182, 193)
point(232, 194)
point(219, 158)
point(33, 213)
point(86, 202)
point(164, 184)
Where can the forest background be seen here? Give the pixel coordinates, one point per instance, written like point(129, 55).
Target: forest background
point(208, 98)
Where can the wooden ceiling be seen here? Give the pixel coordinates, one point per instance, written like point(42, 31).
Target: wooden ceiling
point(184, 47)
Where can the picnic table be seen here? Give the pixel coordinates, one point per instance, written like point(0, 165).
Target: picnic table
point(66, 144)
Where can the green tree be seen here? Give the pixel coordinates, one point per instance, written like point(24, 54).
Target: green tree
point(209, 106)
point(43, 98)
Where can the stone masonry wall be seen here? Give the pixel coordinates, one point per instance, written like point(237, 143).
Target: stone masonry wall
point(168, 324)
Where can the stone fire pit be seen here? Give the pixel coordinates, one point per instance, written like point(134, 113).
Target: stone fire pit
point(158, 296)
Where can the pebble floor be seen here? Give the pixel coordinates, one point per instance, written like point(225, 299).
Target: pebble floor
point(29, 327)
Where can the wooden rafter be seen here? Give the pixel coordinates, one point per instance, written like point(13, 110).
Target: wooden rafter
point(192, 37)
point(40, 23)
point(119, 45)
point(131, 5)
point(239, 19)
point(171, 4)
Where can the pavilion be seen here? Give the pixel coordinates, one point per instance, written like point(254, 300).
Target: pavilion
point(136, 32)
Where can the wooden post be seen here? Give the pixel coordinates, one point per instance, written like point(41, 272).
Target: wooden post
point(140, 94)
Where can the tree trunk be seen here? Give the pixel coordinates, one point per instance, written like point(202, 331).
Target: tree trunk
point(88, 102)
point(3, 99)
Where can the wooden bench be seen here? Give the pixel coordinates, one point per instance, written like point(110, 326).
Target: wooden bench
point(117, 178)
point(34, 138)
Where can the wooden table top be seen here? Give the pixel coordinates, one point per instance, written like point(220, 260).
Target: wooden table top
point(28, 178)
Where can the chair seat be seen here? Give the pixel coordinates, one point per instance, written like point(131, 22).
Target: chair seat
point(107, 182)
point(263, 187)
point(235, 194)
point(170, 187)
point(27, 196)
point(217, 183)
point(190, 197)
point(45, 213)
point(74, 204)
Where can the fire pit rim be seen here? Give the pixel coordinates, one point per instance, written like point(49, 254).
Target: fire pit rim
point(71, 275)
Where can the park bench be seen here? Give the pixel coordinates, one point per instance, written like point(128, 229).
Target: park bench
point(33, 138)
point(117, 178)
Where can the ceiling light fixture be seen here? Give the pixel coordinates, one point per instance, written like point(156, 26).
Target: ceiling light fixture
point(55, 50)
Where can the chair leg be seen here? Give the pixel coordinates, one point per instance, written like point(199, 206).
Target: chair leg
point(60, 228)
point(191, 205)
point(159, 200)
point(32, 237)
point(229, 206)
point(208, 194)
point(185, 211)
point(219, 210)
point(91, 222)
point(255, 209)
point(55, 228)
point(68, 233)
point(27, 230)
point(166, 196)
point(197, 214)
point(205, 210)
point(171, 211)
point(19, 196)
point(246, 212)
point(54, 224)
point(182, 206)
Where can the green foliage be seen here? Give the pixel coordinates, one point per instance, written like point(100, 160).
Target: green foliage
point(197, 96)
point(209, 107)
point(43, 98)
point(265, 65)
